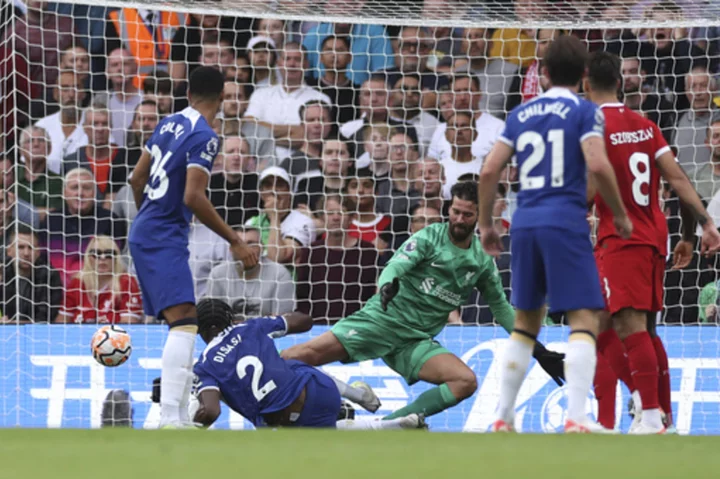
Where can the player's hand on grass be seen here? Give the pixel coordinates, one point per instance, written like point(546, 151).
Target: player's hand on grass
point(388, 292)
point(710, 241)
point(682, 254)
point(491, 241)
point(623, 226)
point(245, 254)
point(552, 362)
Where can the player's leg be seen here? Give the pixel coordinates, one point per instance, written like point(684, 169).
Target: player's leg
point(428, 361)
point(412, 421)
point(324, 349)
point(322, 400)
point(664, 391)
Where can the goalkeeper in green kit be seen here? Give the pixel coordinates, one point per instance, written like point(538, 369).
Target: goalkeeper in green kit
point(431, 275)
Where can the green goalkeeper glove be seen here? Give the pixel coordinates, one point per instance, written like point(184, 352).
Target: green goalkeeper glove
point(552, 362)
point(388, 292)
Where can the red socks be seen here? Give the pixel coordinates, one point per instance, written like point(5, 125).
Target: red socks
point(610, 345)
point(644, 366)
point(605, 390)
point(664, 392)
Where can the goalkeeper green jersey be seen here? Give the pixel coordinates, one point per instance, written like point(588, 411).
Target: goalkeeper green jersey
point(437, 277)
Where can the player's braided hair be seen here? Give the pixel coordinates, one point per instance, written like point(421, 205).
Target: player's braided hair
point(213, 312)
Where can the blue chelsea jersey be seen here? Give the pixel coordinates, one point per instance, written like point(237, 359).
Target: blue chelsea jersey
point(181, 141)
point(546, 134)
point(244, 365)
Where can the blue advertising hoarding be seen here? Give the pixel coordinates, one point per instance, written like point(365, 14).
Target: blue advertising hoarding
point(49, 379)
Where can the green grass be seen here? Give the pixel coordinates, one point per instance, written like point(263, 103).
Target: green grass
point(298, 454)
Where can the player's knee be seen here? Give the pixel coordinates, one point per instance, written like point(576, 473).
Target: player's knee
point(628, 322)
point(465, 385)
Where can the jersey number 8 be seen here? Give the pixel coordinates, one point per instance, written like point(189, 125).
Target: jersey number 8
point(158, 175)
point(557, 159)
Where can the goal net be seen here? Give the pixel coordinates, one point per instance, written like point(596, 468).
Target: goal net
point(343, 127)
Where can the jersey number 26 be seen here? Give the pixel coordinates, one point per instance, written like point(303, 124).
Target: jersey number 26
point(158, 175)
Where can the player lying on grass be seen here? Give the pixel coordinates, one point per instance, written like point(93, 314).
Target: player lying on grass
point(431, 275)
point(632, 270)
point(241, 367)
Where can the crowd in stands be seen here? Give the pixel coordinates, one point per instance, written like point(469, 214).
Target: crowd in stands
point(338, 141)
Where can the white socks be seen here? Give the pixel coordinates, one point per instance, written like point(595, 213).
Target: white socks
point(652, 418)
point(176, 377)
point(580, 362)
point(514, 365)
point(348, 392)
point(370, 423)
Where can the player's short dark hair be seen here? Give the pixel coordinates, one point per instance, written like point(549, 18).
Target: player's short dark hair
point(213, 312)
point(565, 61)
point(465, 190)
point(206, 83)
point(604, 71)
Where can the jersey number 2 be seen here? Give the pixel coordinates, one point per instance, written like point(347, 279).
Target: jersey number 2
point(254, 362)
point(158, 173)
point(557, 159)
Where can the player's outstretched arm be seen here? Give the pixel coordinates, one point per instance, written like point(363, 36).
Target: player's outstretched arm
point(198, 202)
point(673, 174)
point(494, 164)
point(139, 177)
point(298, 322)
point(209, 409)
point(599, 166)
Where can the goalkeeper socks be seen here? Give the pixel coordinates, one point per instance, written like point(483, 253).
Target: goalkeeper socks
point(514, 365)
point(612, 348)
point(664, 392)
point(176, 364)
point(644, 366)
point(580, 361)
point(605, 391)
point(430, 402)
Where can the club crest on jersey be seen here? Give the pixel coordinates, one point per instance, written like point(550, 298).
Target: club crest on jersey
point(468, 277)
point(410, 247)
point(599, 121)
point(212, 146)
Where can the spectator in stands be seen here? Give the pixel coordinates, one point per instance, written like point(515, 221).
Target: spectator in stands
point(429, 181)
point(144, 121)
point(395, 194)
point(317, 123)
point(691, 130)
point(272, 28)
point(235, 102)
point(648, 103)
point(31, 290)
point(707, 175)
point(65, 127)
point(367, 224)
point(38, 38)
point(405, 109)
point(445, 103)
point(75, 58)
point(234, 190)
point(335, 165)
point(278, 107)
point(466, 98)
point(99, 154)
point(619, 41)
point(461, 134)
point(266, 289)
point(35, 183)
point(218, 53)
point(531, 82)
point(283, 230)
point(158, 88)
point(420, 217)
point(377, 149)
point(335, 57)
point(70, 228)
point(207, 250)
point(242, 71)
point(370, 47)
point(12, 208)
point(103, 291)
point(338, 273)
point(495, 74)
point(262, 55)
point(124, 94)
point(517, 45)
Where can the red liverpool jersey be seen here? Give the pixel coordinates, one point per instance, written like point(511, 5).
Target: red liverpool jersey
point(633, 144)
point(80, 307)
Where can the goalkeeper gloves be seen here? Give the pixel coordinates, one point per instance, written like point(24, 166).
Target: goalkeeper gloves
point(388, 292)
point(552, 362)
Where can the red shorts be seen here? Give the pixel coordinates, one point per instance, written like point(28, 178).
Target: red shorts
point(631, 276)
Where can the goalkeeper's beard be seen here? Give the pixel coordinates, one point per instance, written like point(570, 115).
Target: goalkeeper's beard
point(460, 232)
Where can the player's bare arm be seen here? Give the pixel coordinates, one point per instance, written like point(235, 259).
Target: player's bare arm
point(599, 166)
point(198, 202)
point(298, 322)
point(139, 177)
point(673, 174)
point(495, 162)
point(209, 409)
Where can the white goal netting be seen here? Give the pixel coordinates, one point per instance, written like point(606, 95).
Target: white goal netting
point(365, 113)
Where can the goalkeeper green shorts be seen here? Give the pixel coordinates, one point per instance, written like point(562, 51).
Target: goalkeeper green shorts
point(402, 348)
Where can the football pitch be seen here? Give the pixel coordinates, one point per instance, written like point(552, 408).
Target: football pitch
point(131, 454)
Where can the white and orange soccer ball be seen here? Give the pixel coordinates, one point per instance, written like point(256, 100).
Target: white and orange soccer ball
point(111, 346)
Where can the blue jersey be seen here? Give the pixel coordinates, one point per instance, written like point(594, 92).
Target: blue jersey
point(244, 365)
point(546, 134)
point(181, 141)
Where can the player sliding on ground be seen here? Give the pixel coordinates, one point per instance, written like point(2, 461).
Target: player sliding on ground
point(241, 367)
point(632, 270)
point(553, 137)
point(169, 185)
point(431, 275)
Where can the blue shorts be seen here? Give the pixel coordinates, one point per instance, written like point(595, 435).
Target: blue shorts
point(163, 272)
point(322, 399)
point(554, 266)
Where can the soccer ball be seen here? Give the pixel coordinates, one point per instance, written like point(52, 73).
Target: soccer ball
point(111, 346)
